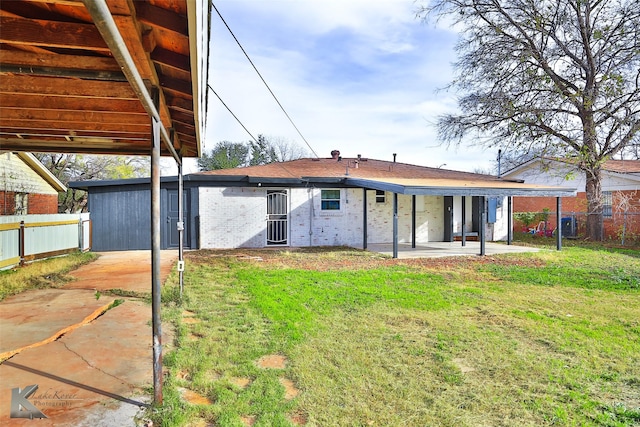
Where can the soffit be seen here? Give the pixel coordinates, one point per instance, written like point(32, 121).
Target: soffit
point(61, 90)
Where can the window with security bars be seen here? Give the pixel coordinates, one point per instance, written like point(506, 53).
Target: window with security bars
point(607, 204)
point(330, 200)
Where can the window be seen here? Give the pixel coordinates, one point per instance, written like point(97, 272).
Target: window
point(380, 196)
point(330, 200)
point(607, 204)
point(21, 203)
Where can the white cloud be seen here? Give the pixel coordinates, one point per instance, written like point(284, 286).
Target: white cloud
point(358, 75)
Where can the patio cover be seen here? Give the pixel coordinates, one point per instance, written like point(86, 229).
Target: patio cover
point(62, 88)
point(107, 77)
point(460, 187)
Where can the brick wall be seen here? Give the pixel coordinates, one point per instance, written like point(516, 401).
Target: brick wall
point(42, 204)
point(236, 217)
point(36, 203)
point(7, 202)
point(577, 206)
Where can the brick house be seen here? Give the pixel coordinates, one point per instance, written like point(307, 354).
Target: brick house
point(26, 186)
point(620, 191)
point(309, 202)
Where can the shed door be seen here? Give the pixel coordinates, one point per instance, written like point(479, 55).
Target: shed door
point(277, 218)
point(172, 219)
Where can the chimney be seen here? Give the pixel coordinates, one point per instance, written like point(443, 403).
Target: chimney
point(335, 155)
point(394, 157)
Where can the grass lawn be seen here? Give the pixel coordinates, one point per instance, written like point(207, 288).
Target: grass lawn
point(514, 340)
point(48, 273)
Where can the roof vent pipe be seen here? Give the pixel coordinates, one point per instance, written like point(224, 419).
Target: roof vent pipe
point(394, 157)
point(335, 154)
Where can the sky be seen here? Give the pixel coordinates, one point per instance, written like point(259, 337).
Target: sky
point(358, 76)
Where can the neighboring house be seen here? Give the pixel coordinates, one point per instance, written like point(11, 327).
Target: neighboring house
point(308, 202)
point(620, 193)
point(26, 186)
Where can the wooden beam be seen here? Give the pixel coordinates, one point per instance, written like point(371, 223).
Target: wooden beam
point(45, 125)
point(44, 102)
point(22, 31)
point(159, 17)
point(171, 59)
point(72, 133)
point(54, 86)
point(62, 146)
point(65, 62)
point(24, 114)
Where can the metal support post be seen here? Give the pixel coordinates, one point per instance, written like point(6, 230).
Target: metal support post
point(464, 219)
point(509, 220)
point(180, 226)
point(364, 219)
point(559, 223)
point(155, 260)
point(395, 225)
point(483, 224)
point(413, 221)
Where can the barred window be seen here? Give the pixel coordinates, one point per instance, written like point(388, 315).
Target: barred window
point(380, 196)
point(607, 204)
point(330, 200)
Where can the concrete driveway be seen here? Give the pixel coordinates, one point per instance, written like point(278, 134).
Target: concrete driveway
point(89, 363)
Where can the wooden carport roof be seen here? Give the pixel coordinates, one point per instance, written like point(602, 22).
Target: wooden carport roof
point(62, 88)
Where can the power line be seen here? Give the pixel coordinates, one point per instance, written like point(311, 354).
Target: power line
point(245, 128)
point(234, 116)
point(263, 81)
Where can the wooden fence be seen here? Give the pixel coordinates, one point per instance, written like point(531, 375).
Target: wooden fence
point(25, 238)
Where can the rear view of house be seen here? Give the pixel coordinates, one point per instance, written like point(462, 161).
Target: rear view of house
point(332, 201)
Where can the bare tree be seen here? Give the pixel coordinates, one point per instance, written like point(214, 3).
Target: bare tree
point(560, 77)
point(78, 167)
point(286, 150)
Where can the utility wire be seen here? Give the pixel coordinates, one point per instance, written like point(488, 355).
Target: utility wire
point(234, 116)
point(245, 128)
point(263, 81)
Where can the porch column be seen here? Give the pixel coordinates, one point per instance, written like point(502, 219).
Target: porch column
point(395, 225)
point(509, 221)
point(413, 221)
point(464, 219)
point(364, 219)
point(483, 223)
point(155, 259)
point(559, 223)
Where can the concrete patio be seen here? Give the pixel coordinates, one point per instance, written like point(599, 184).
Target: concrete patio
point(445, 249)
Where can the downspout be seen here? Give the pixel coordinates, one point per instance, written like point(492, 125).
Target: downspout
point(105, 23)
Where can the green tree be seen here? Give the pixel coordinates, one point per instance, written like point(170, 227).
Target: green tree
point(225, 155)
point(262, 152)
point(561, 77)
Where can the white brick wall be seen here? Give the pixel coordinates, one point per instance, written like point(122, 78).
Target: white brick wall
point(236, 217)
point(232, 217)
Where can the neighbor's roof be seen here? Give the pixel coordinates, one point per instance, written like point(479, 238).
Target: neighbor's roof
point(41, 170)
point(63, 90)
point(617, 166)
point(399, 178)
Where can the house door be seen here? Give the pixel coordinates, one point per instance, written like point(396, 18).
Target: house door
point(173, 240)
point(277, 218)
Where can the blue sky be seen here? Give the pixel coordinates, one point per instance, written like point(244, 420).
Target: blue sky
point(360, 76)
